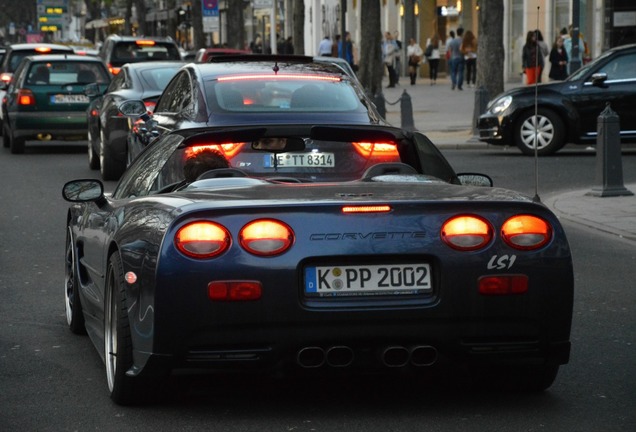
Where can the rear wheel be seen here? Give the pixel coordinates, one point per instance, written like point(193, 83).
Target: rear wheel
point(550, 132)
point(124, 390)
point(111, 168)
point(93, 157)
point(74, 314)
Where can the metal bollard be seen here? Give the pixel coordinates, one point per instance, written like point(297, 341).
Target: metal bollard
point(406, 112)
point(609, 165)
point(378, 100)
point(481, 101)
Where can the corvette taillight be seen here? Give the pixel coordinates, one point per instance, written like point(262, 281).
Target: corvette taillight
point(25, 97)
point(466, 232)
point(526, 232)
point(202, 239)
point(369, 149)
point(266, 237)
point(228, 150)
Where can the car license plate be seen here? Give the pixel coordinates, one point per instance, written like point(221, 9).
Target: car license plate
point(69, 98)
point(363, 280)
point(300, 160)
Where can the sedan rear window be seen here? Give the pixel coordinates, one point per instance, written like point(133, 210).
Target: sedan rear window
point(18, 55)
point(137, 51)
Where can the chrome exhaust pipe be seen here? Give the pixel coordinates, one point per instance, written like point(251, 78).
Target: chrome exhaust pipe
point(311, 357)
point(340, 356)
point(395, 356)
point(423, 355)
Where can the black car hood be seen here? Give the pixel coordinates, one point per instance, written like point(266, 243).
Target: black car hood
point(553, 87)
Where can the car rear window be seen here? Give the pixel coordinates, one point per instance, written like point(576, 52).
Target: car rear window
point(144, 50)
point(66, 72)
point(157, 79)
point(284, 92)
point(17, 56)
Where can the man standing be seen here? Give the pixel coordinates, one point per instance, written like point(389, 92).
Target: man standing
point(456, 60)
point(324, 49)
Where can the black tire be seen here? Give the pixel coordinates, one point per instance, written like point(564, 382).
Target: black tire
point(73, 305)
point(15, 143)
point(5, 134)
point(111, 168)
point(550, 132)
point(118, 347)
point(93, 156)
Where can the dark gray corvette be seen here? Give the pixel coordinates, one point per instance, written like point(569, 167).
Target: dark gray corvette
point(355, 265)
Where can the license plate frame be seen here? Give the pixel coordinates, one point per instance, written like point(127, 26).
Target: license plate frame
point(366, 280)
point(300, 160)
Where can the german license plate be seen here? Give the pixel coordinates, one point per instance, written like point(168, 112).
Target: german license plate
point(363, 280)
point(300, 160)
point(69, 98)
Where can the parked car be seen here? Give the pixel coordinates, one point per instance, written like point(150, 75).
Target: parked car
point(568, 111)
point(205, 54)
point(117, 50)
point(250, 89)
point(16, 52)
point(302, 257)
point(45, 99)
point(108, 148)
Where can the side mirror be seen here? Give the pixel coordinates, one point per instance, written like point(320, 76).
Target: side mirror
point(473, 179)
point(83, 191)
point(92, 90)
point(598, 79)
point(133, 108)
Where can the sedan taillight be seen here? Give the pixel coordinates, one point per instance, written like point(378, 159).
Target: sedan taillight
point(202, 239)
point(25, 97)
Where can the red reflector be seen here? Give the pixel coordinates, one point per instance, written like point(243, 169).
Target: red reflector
point(367, 209)
point(234, 290)
point(503, 284)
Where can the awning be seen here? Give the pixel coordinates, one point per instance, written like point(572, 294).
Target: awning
point(98, 23)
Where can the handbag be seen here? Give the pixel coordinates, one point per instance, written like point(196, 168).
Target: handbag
point(415, 59)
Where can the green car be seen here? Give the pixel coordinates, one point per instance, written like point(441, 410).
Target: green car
point(45, 99)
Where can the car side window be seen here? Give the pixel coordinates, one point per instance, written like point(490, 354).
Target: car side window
point(117, 83)
point(621, 68)
point(177, 97)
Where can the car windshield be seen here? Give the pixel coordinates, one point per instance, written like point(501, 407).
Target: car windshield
point(252, 93)
point(138, 51)
point(66, 72)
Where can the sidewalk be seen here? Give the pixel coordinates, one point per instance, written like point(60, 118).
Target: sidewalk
point(446, 117)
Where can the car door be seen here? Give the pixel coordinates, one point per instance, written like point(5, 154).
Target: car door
point(618, 92)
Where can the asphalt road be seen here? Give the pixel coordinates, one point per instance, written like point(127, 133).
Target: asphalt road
point(52, 380)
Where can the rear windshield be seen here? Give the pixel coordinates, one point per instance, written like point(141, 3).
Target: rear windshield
point(157, 79)
point(284, 92)
point(66, 72)
point(137, 51)
point(17, 56)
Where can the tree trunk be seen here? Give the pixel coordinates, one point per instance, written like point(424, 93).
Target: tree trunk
point(298, 26)
point(197, 25)
point(235, 24)
point(371, 68)
point(490, 64)
point(140, 5)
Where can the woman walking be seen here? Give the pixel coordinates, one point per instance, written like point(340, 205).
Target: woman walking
point(532, 59)
point(432, 56)
point(469, 49)
point(414, 53)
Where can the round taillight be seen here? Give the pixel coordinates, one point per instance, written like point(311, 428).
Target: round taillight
point(202, 239)
point(526, 232)
point(466, 232)
point(266, 237)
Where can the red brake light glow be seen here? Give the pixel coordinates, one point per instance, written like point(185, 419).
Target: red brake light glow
point(273, 76)
point(150, 105)
point(229, 150)
point(366, 209)
point(113, 69)
point(6, 77)
point(526, 232)
point(145, 42)
point(368, 149)
point(25, 97)
point(503, 284)
point(266, 237)
point(466, 232)
point(43, 50)
point(202, 239)
point(234, 290)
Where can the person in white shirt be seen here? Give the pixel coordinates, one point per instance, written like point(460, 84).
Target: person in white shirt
point(414, 54)
point(325, 46)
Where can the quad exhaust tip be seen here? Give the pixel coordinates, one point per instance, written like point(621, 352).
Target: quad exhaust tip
point(341, 356)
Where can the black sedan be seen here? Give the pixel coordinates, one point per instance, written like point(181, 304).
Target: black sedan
point(568, 111)
point(251, 89)
point(107, 129)
point(307, 259)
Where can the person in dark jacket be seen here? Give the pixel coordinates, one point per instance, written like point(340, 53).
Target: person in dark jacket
point(532, 59)
point(558, 61)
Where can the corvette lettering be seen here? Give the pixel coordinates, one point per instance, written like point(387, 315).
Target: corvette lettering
point(368, 236)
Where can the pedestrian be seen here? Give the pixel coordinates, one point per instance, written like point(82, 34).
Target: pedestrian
point(389, 51)
point(545, 50)
point(334, 47)
point(558, 61)
point(432, 54)
point(324, 48)
point(398, 57)
point(457, 60)
point(567, 44)
point(531, 58)
point(469, 49)
point(446, 51)
point(414, 53)
point(348, 50)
